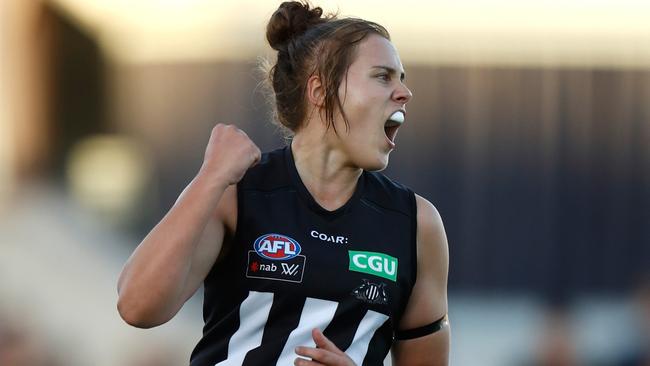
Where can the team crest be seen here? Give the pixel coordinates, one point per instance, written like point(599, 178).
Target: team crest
point(372, 293)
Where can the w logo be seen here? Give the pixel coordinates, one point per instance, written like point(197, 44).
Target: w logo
point(289, 269)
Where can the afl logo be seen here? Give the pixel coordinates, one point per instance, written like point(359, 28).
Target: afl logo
point(276, 247)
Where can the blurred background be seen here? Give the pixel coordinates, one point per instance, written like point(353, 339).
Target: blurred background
point(529, 130)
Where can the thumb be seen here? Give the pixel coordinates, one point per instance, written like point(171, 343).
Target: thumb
point(322, 341)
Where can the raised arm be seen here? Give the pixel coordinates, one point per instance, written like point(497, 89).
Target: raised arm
point(169, 265)
point(425, 335)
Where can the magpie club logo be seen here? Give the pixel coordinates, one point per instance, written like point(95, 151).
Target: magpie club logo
point(370, 292)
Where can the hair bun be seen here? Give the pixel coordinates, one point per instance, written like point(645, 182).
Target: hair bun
point(292, 19)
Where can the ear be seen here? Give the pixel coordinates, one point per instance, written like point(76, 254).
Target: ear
point(315, 91)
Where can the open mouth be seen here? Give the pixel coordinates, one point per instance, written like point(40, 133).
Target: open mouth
point(393, 124)
point(391, 132)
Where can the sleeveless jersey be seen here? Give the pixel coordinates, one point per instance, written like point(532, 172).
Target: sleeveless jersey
point(293, 266)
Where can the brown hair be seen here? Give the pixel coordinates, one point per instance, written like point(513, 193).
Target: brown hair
point(309, 43)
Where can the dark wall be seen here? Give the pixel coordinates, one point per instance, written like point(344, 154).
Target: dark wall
point(77, 66)
point(541, 175)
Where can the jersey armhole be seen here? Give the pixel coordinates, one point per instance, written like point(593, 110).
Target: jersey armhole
point(414, 236)
point(239, 194)
point(229, 239)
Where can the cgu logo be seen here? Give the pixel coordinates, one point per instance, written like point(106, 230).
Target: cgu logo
point(276, 247)
point(378, 264)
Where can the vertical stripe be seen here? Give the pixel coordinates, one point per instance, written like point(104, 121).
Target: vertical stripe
point(315, 314)
point(344, 324)
point(369, 324)
point(253, 314)
point(283, 318)
point(379, 345)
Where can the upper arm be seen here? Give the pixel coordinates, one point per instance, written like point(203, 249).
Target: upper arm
point(217, 232)
point(428, 300)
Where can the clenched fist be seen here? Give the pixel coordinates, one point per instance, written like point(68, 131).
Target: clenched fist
point(229, 154)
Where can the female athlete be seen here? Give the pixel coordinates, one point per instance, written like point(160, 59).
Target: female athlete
point(307, 254)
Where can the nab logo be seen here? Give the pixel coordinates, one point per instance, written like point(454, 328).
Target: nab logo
point(276, 247)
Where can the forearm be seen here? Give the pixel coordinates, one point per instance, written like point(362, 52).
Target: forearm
point(429, 350)
point(153, 282)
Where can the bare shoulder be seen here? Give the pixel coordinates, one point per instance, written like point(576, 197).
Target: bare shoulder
point(428, 301)
point(431, 231)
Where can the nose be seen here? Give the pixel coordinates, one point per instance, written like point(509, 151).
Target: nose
point(402, 94)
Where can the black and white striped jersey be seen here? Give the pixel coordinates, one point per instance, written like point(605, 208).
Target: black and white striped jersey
point(293, 266)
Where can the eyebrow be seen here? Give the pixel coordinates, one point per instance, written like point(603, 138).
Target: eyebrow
point(391, 70)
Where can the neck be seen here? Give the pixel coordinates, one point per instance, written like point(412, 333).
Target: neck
point(324, 170)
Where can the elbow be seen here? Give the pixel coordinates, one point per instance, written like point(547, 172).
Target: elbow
point(136, 315)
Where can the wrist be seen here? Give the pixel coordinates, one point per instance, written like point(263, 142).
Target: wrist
point(214, 180)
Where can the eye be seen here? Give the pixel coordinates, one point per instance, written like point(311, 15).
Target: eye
point(384, 76)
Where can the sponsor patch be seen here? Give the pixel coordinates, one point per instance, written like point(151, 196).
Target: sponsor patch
point(276, 247)
point(373, 293)
point(378, 264)
point(271, 269)
point(329, 238)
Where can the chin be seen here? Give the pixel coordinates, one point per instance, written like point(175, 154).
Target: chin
point(377, 164)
